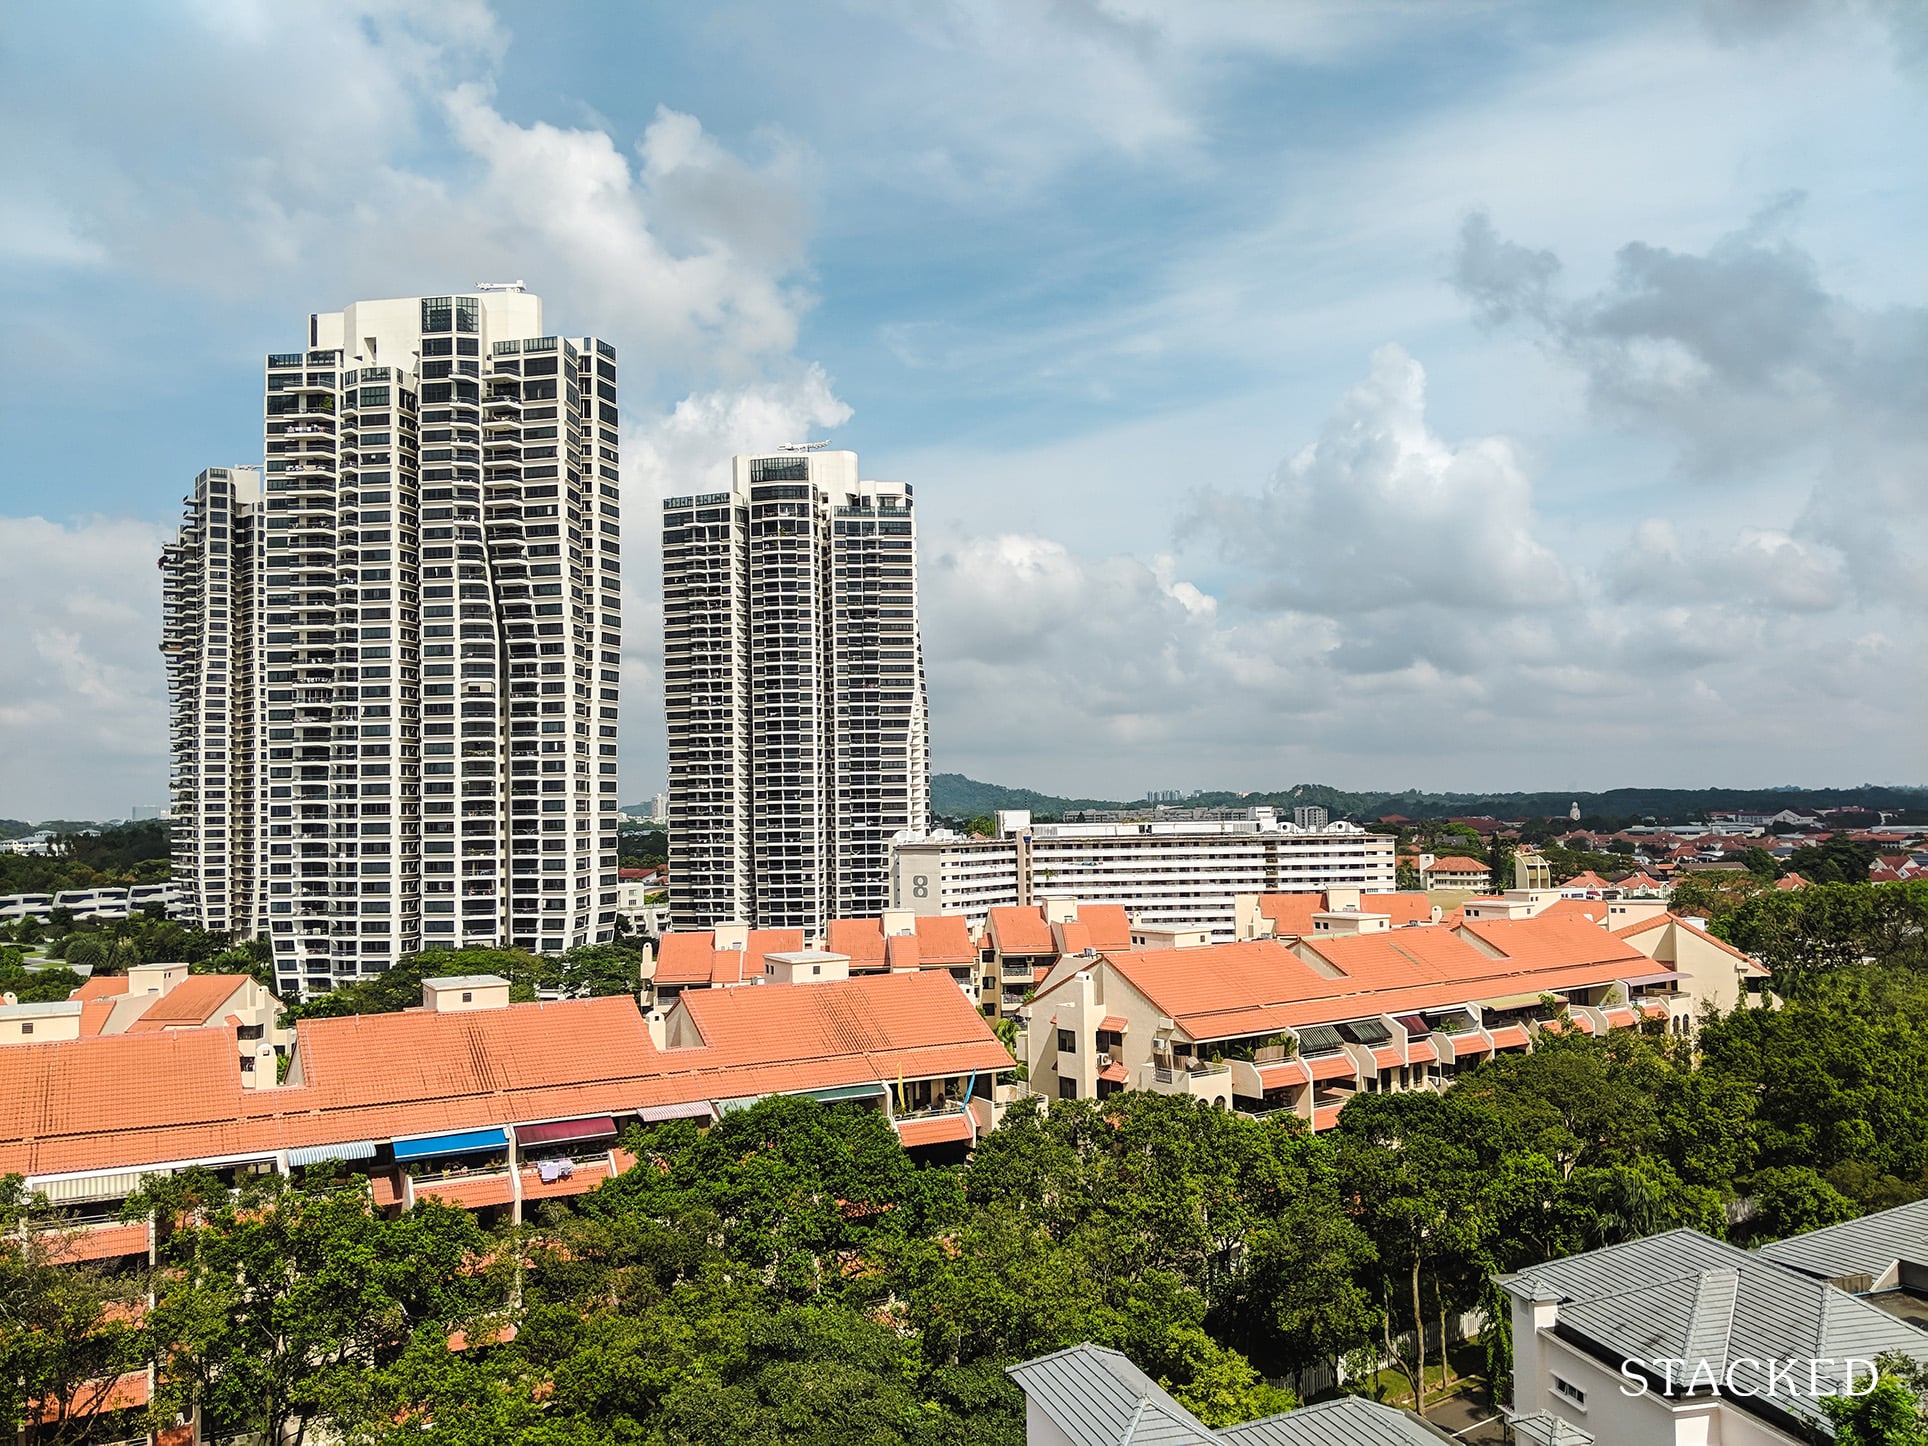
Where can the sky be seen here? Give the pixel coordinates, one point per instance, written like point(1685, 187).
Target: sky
point(1454, 394)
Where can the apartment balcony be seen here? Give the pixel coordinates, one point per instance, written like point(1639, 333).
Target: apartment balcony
point(1197, 1078)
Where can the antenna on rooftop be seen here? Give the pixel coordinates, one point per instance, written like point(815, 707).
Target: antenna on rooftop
point(500, 286)
point(803, 446)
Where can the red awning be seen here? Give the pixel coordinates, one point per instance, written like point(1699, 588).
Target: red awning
point(935, 1129)
point(1333, 1066)
point(1112, 1024)
point(1116, 1073)
point(567, 1132)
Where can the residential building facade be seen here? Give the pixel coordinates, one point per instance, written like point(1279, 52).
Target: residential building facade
point(794, 692)
point(1180, 874)
point(424, 626)
point(210, 636)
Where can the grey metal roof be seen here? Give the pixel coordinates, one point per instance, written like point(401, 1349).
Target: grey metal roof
point(1097, 1397)
point(1867, 1246)
point(1346, 1421)
point(1686, 1296)
point(1543, 1428)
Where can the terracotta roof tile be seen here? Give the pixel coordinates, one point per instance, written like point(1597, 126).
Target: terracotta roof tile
point(65, 1105)
point(1074, 938)
point(1109, 925)
point(194, 1001)
point(1019, 929)
point(861, 939)
point(1291, 914)
point(1261, 986)
point(901, 952)
point(1455, 864)
point(944, 939)
point(108, 987)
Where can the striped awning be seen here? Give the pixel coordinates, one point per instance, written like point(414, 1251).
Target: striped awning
point(690, 1110)
point(340, 1150)
point(81, 1189)
point(467, 1142)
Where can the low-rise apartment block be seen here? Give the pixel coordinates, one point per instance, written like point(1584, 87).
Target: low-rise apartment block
point(1171, 874)
point(156, 997)
point(1267, 1027)
point(479, 1102)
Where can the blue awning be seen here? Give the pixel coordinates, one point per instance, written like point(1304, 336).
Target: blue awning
point(340, 1150)
point(468, 1142)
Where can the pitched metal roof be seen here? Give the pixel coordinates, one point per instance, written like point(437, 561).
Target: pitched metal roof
point(1868, 1246)
point(1097, 1397)
point(1346, 1421)
point(1685, 1296)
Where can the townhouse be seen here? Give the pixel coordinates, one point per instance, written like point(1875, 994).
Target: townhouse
point(1268, 1026)
point(478, 1102)
point(1679, 1339)
point(153, 997)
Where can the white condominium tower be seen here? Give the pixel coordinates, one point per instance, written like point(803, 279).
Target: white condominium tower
point(209, 577)
point(794, 686)
point(422, 613)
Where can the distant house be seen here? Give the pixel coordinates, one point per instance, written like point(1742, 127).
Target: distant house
point(1455, 871)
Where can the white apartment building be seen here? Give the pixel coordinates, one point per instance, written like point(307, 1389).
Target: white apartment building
point(422, 626)
point(799, 744)
point(209, 637)
point(1166, 875)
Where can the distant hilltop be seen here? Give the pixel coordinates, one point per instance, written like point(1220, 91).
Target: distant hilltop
point(955, 796)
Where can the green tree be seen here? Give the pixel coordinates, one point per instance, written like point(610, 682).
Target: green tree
point(1791, 1199)
point(592, 970)
point(272, 1305)
point(1418, 1187)
point(68, 1329)
point(1888, 1415)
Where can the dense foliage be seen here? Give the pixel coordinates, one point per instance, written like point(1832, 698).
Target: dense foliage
point(135, 853)
point(584, 972)
point(953, 795)
point(791, 1275)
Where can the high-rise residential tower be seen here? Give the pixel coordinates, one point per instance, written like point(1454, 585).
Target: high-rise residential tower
point(209, 638)
point(799, 743)
point(428, 583)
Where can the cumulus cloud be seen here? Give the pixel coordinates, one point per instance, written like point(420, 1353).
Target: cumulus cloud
point(1387, 593)
point(84, 692)
point(1380, 515)
point(1746, 361)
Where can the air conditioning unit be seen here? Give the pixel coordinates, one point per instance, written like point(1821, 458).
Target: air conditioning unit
point(1104, 1060)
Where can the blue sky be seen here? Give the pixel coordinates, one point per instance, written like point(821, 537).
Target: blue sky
point(1464, 395)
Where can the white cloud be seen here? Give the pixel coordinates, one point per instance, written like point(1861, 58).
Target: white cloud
point(83, 725)
point(1381, 515)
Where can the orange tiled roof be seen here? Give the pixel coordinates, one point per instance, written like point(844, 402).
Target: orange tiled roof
point(684, 958)
point(1291, 914)
point(861, 939)
point(945, 939)
point(102, 987)
point(65, 1106)
point(1455, 864)
point(1019, 929)
point(901, 952)
point(193, 1002)
point(1592, 910)
point(1073, 938)
point(1261, 986)
point(1109, 925)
